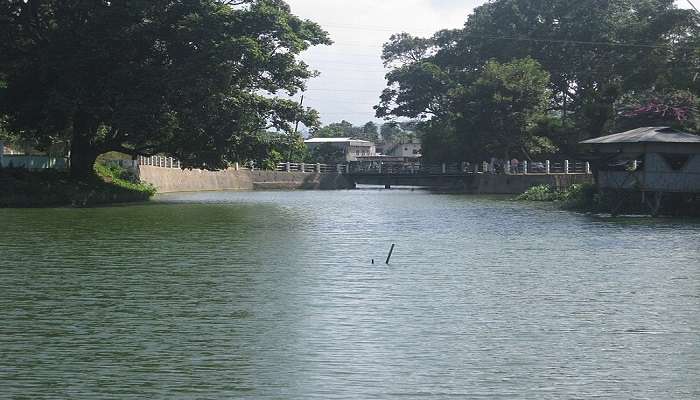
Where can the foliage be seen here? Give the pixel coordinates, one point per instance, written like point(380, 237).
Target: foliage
point(594, 51)
point(49, 188)
point(342, 129)
point(267, 149)
point(390, 131)
point(675, 108)
point(370, 132)
point(498, 114)
point(345, 129)
point(193, 80)
point(122, 178)
point(578, 196)
point(327, 153)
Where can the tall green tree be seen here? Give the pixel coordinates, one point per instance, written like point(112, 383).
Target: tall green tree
point(499, 114)
point(345, 129)
point(191, 79)
point(370, 132)
point(594, 50)
point(342, 129)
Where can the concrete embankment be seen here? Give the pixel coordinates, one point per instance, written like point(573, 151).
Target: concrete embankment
point(172, 180)
point(475, 183)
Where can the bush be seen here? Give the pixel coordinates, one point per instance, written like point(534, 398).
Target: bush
point(578, 196)
point(47, 188)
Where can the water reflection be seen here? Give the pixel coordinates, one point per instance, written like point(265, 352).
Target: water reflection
point(272, 295)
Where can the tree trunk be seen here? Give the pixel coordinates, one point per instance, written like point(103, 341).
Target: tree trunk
point(82, 158)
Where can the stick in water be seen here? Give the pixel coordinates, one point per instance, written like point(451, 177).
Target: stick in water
point(390, 253)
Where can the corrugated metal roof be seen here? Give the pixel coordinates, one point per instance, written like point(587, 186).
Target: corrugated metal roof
point(647, 135)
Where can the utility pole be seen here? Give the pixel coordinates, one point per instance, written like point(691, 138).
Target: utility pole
point(296, 129)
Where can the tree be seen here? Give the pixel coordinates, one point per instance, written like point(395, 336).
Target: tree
point(327, 153)
point(345, 129)
point(498, 114)
point(391, 131)
point(593, 50)
point(370, 132)
point(342, 129)
point(674, 108)
point(193, 80)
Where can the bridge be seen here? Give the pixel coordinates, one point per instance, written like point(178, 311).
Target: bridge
point(482, 178)
point(467, 177)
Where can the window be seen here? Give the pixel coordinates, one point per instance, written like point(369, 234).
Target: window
point(676, 161)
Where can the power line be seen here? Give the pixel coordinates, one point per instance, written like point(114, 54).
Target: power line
point(693, 5)
point(536, 40)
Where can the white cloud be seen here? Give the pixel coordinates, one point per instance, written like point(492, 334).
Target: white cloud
point(352, 74)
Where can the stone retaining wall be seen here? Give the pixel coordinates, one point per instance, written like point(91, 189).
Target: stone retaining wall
point(171, 180)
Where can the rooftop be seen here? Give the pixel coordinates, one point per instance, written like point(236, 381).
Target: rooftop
point(338, 140)
point(647, 135)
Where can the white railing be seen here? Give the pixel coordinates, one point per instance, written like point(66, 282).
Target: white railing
point(312, 168)
point(547, 167)
point(159, 161)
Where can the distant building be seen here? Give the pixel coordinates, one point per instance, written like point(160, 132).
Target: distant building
point(410, 149)
point(352, 148)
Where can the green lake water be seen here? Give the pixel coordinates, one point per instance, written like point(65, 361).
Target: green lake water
point(272, 295)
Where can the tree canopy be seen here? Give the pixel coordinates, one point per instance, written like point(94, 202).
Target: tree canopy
point(194, 80)
point(345, 129)
point(594, 52)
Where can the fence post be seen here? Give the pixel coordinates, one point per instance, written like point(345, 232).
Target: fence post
point(2, 151)
point(303, 167)
point(588, 168)
point(566, 167)
point(339, 169)
point(548, 167)
point(318, 168)
point(524, 167)
point(237, 166)
point(288, 167)
point(444, 168)
point(486, 167)
point(347, 168)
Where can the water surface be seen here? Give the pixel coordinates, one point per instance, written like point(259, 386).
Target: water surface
point(272, 295)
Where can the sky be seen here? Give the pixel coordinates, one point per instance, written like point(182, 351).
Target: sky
point(352, 74)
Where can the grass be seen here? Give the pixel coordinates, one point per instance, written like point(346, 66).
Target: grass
point(51, 188)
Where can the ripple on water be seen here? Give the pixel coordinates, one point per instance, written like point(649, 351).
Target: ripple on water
point(273, 295)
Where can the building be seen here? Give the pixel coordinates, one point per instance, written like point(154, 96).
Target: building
point(654, 161)
point(410, 149)
point(352, 148)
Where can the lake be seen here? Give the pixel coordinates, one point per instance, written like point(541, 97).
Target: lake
point(273, 295)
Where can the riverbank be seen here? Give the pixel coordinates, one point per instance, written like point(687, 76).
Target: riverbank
point(20, 188)
point(174, 180)
point(587, 198)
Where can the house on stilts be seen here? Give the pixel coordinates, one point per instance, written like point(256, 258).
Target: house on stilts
point(658, 163)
